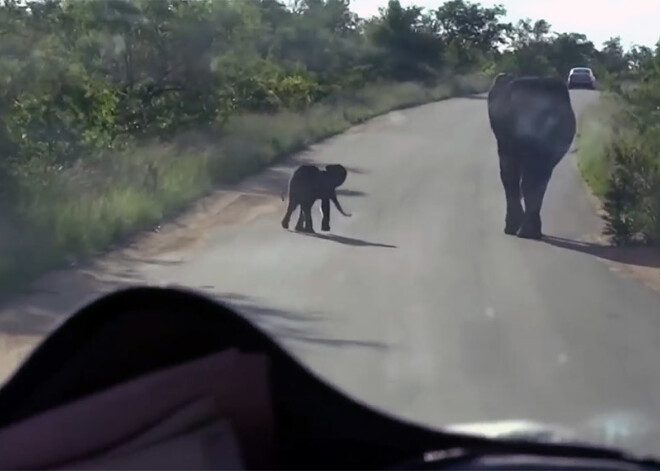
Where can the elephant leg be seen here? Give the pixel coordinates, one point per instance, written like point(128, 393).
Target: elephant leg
point(307, 214)
point(535, 180)
point(510, 173)
point(300, 225)
point(325, 209)
point(293, 204)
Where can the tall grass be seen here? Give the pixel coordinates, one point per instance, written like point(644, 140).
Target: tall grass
point(619, 157)
point(596, 129)
point(252, 141)
point(63, 215)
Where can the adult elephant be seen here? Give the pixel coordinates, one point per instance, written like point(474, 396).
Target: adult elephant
point(534, 124)
point(308, 184)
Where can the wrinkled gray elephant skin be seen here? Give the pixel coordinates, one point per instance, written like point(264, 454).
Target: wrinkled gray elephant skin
point(308, 184)
point(534, 124)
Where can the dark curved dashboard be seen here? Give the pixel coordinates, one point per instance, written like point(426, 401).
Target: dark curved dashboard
point(136, 331)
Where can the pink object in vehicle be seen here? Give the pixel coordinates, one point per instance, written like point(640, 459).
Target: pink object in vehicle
point(178, 417)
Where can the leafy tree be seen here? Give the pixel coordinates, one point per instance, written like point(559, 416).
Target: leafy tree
point(529, 46)
point(613, 57)
point(406, 46)
point(469, 31)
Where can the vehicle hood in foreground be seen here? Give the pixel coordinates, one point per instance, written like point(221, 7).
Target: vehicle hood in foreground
point(621, 430)
point(517, 430)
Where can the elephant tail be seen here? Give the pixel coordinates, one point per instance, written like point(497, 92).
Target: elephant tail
point(283, 194)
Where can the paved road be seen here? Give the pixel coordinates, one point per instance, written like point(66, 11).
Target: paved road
point(419, 304)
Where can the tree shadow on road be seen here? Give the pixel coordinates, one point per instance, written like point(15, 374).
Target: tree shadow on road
point(58, 294)
point(327, 342)
point(274, 181)
point(348, 240)
point(288, 325)
point(637, 256)
point(150, 261)
point(356, 170)
point(350, 193)
point(41, 317)
point(271, 180)
point(255, 310)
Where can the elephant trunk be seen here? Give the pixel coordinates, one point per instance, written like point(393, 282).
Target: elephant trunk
point(338, 206)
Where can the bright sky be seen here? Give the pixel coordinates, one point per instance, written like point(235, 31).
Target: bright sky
point(635, 21)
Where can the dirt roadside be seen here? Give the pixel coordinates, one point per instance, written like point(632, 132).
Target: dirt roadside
point(640, 263)
point(26, 319)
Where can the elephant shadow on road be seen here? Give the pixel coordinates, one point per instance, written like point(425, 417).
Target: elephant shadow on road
point(41, 306)
point(356, 170)
point(305, 328)
point(350, 193)
point(636, 256)
point(347, 240)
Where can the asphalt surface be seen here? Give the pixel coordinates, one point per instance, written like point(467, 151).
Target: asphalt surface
point(419, 304)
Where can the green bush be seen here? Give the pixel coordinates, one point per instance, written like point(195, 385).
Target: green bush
point(596, 129)
point(619, 157)
point(632, 196)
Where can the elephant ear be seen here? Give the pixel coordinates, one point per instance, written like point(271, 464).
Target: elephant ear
point(502, 80)
point(336, 174)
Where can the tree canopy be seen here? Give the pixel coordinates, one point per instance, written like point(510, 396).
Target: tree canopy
point(79, 76)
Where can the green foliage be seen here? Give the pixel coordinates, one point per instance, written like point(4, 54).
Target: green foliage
point(535, 50)
point(632, 198)
point(596, 131)
point(619, 154)
point(69, 119)
point(471, 33)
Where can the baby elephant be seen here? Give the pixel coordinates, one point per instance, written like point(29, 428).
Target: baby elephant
point(309, 184)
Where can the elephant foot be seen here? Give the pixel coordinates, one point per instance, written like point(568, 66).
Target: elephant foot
point(531, 226)
point(511, 229)
point(514, 218)
point(285, 224)
point(325, 227)
point(305, 230)
point(530, 235)
point(528, 231)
